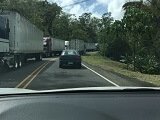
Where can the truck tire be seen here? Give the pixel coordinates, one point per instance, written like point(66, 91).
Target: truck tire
point(39, 57)
point(15, 64)
point(51, 55)
point(20, 63)
point(4, 67)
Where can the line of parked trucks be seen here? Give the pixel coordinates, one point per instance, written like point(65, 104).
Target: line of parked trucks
point(21, 40)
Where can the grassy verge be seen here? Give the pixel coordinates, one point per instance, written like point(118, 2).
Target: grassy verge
point(107, 64)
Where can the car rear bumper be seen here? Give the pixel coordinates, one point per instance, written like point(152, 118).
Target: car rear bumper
point(70, 62)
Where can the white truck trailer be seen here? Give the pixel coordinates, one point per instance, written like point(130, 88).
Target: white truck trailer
point(90, 47)
point(52, 46)
point(19, 40)
point(78, 45)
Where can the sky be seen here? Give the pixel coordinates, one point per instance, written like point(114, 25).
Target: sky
point(96, 7)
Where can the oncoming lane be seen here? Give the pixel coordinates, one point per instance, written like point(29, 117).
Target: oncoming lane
point(21, 77)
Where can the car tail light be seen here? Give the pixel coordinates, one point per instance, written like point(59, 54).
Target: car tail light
point(78, 58)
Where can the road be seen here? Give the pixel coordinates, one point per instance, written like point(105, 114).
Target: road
point(46, 75)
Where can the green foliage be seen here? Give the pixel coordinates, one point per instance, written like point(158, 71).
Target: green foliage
point(134, 40)
point(117, 48)
point(40, 13)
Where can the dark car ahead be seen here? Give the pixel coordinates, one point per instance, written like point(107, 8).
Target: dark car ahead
point(70, 58)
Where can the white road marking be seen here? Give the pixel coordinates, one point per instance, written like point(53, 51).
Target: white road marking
point(101, 76)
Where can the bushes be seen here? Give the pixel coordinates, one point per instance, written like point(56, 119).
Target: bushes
point(117, 48)
point(145, 64)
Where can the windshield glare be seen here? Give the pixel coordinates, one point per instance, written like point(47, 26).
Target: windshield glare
point(110, 43)
point(69, 52)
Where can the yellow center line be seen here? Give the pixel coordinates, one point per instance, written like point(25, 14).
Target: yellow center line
point(35, 76)
point(29, 75)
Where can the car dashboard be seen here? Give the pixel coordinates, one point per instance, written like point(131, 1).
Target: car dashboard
point(81, 106)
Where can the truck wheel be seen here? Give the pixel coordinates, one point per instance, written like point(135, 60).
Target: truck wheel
point(39, 57)
point(20, 64)
point(4, 67)
point(15, 64)
point(51, 55)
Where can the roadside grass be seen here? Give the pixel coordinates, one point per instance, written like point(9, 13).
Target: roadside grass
point(94, 59)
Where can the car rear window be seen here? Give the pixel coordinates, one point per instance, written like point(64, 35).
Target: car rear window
point(69, 53)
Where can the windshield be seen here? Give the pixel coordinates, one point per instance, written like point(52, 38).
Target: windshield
point(109, 43)
point(69, 52)
point(3, 28)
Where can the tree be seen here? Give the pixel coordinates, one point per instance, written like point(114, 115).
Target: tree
point(40, 13)
point(76, 30)
point(87, 24)
point(104, 32)
point(141, 30)
point(61, 26)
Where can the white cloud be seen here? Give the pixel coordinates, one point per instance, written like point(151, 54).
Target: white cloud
point(63, 2)
point(114, 6)
point(78, 9)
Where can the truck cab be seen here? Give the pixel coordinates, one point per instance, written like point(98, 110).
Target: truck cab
point(4, 35)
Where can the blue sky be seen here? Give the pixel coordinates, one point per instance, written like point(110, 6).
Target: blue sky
point(96, 7)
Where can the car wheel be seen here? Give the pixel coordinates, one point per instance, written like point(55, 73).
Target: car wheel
point(60, 66)
point(79, 66)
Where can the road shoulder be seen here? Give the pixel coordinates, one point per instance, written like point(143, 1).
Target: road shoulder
point(119, 79)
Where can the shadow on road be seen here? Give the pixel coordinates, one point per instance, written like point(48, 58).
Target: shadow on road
point(5, 69)
point(71, 67)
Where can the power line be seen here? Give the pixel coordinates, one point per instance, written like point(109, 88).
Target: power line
point(75, 3)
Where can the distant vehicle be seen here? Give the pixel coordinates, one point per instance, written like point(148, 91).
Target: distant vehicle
point(90, 47)
point(19, 40)
point(78, 45)
point(70, 58)
point(52, 46)
point(66, 45)
point(97, 46)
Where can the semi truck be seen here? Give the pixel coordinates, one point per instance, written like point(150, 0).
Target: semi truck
point(66, 45)
point(52, 46)
point(90, 47)
point(78, 45)
point(19, 40)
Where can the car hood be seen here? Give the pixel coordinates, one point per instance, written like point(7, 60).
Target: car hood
point(15, 91)
point(4, 91)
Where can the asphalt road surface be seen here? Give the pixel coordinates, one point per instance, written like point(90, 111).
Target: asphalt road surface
point(47, 75)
